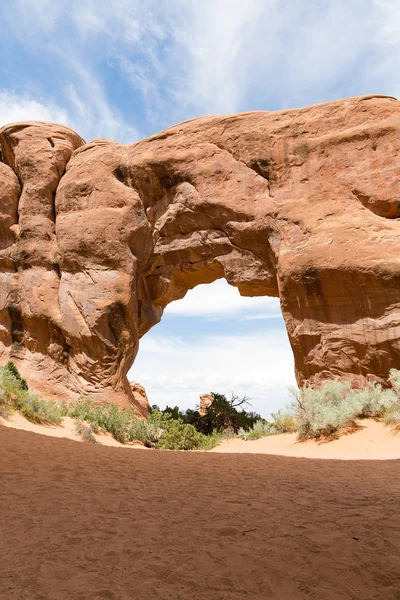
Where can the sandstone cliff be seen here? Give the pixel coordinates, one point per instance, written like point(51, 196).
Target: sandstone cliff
point(96, 239)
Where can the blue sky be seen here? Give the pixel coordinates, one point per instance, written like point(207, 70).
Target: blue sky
point(128, 68)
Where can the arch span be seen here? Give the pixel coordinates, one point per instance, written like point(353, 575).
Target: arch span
point(98, 238)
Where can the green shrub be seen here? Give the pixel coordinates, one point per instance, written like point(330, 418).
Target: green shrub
point(210, 441)
point(336, 405)
point(37, 410)
point(182, 436)
point(12, 369)
point(391, 416)
point(373, 400)
point(105, 417)
point(283, 421)
point(160, 420)
point(394, 378)
point(86, 432)
point(10, 387)
point(142, 430)
point(14, 394)
point(261, 428)
point(325, 410)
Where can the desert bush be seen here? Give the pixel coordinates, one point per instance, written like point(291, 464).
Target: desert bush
point(12, 369)
point(10, 387)
point(325, 410)
point(141, 430)
point(373, 400)
point(86, 432)
point(14, 394)
point(336, 405)
point(394, 378)
point(228, 415)
point(283, 421)
point(160, 419)
point(391, 416)
point(37, 410)
point(182, 436)
point(210, 441)
point(261, 428)
point(105, 417)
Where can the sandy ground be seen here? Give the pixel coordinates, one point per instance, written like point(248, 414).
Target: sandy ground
point(86, 522)
point(373, 441)
point(66, 430)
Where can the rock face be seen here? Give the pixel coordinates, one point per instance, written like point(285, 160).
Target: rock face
point(205, 402)
point(96, 239)
point(140, 399)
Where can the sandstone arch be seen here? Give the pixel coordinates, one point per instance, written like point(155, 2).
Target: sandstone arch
point(97, 238)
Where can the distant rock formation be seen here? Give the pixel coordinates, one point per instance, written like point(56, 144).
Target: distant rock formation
point(140, 398)
point(205, 402)
point(96, 239)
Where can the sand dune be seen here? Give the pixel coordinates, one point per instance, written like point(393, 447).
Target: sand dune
point(66, 430)
point(83, 522)
point(373, 441)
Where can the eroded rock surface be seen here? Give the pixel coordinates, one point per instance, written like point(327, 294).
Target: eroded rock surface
point(96, 239)
point(205, 402)
point(140, 399)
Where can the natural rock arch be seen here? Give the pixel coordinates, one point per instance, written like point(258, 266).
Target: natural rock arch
point(97, 238)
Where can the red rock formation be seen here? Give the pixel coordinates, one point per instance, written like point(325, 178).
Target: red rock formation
point(205, 402)
point(140, 399)
point(98, 238)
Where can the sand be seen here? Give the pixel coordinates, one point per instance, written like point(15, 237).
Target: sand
point(67, 430)
point(83, 522)
point(372, 441)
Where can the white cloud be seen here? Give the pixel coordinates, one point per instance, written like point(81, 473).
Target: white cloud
point(95, 118)
point(72, 39)
point(81, 118)
point(187, 58)
point(219, 38)
point(265, 51)
point(222, 301)
point(176, 371)
point(14, 108)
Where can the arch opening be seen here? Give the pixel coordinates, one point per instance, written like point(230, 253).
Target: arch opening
point(216, 340)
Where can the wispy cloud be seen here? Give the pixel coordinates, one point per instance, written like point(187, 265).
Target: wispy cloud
point(69, 45)
point(134, 66)
point(221, 301)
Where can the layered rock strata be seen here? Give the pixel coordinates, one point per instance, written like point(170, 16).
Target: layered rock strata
point(98, 238)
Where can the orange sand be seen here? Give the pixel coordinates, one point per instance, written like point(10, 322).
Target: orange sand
point(88, 522)
point(373, 441)
point(66, 430)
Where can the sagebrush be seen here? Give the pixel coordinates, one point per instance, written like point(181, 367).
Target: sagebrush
point(334, 406)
